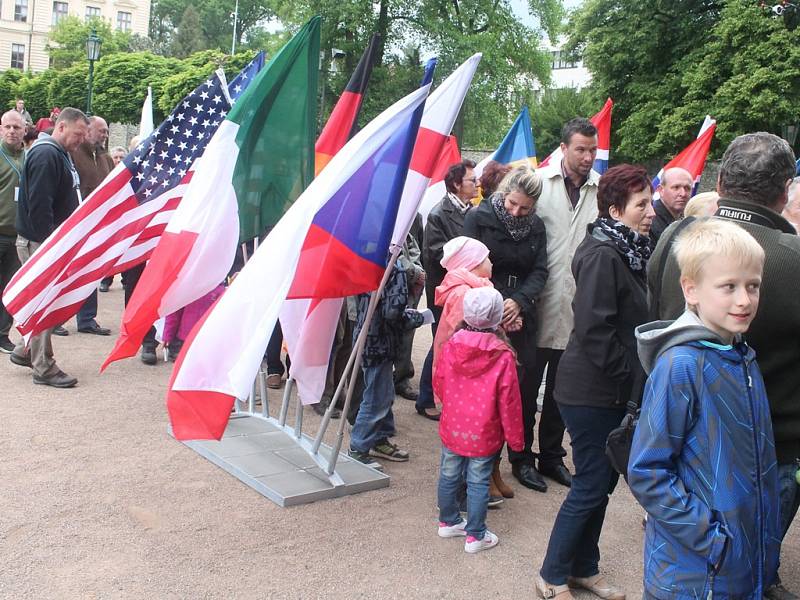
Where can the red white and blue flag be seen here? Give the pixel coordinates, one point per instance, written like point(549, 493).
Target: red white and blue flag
point(602, 121)
point(369, 171)
point(121, 222)
point(309, 325)
point(693, 157)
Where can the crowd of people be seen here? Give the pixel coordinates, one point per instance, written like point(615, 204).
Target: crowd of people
point(683, 308)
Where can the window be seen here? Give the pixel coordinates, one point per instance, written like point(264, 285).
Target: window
point(124, 21)
point(60, 11)
point(561, 60)
point(92, 12)
point(21, 10)
point(17, 56)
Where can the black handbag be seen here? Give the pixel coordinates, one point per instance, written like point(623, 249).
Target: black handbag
point(619, 441)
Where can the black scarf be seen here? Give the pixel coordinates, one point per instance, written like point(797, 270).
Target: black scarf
point(518, 227)
point(632, 245)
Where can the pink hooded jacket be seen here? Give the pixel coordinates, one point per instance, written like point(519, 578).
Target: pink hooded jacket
point(481, 405)
point(450, 296)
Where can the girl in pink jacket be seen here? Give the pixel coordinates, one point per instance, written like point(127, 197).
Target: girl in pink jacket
point(477, 381)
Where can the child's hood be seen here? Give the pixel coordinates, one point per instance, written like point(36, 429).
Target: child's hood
point(455, 279)
point(659, 336)
point(474, 352)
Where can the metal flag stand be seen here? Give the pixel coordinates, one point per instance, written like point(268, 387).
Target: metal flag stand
point(277, 459)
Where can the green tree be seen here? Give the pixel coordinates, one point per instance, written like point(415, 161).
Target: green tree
point(67, 40)
point(121, 81)
point(189, 37)
point(35, 89)
point(552, 110)
point(68, 87)
point(8, 88)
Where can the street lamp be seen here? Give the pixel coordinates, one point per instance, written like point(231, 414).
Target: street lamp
point(92, 54)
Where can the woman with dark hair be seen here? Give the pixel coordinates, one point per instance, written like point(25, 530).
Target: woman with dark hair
point(599, 373)
point(491, 177)
point(507, 224)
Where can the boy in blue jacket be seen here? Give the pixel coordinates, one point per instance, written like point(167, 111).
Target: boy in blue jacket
point(703, 461)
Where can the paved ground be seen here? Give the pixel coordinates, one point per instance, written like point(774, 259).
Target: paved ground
point(99, 502)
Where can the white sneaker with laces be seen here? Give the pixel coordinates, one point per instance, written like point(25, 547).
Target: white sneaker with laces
point(473, 545)
point(448, 531)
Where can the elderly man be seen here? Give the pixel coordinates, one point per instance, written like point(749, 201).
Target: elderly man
point(753, 183)
point(93, 163)
point(568, 203)
point(49, 194)
point(792, 211)
point(12, 130)
point(445, 221)
point(674, 190)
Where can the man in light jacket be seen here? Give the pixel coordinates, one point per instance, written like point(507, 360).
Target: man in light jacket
point(568, 204)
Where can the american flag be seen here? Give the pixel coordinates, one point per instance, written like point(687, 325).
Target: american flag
point(121, 222)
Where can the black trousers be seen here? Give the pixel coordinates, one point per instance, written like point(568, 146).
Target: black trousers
point(129, 280)
point(551, 427)
point(9, 264)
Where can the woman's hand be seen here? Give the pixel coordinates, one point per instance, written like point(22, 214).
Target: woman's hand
point(515, 325)
point(511, 311)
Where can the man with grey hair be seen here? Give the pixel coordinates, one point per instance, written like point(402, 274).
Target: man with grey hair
point(12, 131)
point(792, 211)
point(754, 179)
point(48, 195)
point(674, 190)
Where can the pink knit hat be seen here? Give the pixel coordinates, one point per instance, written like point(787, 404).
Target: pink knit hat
point(463, 253)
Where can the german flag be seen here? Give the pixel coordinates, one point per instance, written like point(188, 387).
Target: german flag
point(342, 124)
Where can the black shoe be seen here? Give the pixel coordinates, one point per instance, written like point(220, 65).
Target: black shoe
point(528, 476)
point(95, 329)
point(21, 361)
point(59, 330)
point(778, 592)
point(495, 501)
point(320, 409)
point(149, 355)
point(407, 392)
point(430, 413)
point(558, 473)
point(104, 287)
point(59, 380)
point(6, 345)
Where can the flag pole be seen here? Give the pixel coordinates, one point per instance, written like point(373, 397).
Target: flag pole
point(355, 363)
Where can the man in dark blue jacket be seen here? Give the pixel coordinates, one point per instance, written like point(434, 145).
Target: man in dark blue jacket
point(48, 195)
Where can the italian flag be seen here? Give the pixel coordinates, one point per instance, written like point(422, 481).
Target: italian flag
point(258, 162)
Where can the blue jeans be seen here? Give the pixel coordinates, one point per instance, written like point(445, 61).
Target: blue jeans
point(88, 312)
point(425, 397)
point(573, 546)
point(451, 481)
point(789, 494)
point(375, 421)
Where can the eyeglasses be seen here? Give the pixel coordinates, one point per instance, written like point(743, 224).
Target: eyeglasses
point(472, 179)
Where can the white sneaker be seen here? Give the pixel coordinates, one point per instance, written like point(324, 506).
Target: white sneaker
point(448, 531)
point(473, 545)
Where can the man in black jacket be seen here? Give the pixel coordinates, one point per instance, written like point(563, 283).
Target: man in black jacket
point(674, 192)
point(753, 182)
point(48, 195)
point(445, 221)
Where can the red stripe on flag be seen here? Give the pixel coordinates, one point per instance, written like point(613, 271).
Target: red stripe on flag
point(142, 309)
point(426, 150)
point(329, 269)
point(337, 129)
point(196, 414)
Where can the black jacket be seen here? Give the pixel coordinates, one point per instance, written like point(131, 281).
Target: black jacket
point(445, 222)
point(47, 190)
point(775, 331)
point(661, 221)
point(600, 366)
point(519, 268)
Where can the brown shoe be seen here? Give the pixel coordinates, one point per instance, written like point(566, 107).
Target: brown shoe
point(598, 586)
point(549, 591)
point(501, 485)
point(274, 381)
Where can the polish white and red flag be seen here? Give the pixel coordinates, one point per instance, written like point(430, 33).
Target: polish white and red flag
point(121, 222)
point(309, 325)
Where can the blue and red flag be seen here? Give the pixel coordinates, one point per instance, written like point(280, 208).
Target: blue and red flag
point(693, 157)
point(517, 147)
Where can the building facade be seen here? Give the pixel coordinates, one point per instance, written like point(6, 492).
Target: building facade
point(25, 25)
point(565, 70)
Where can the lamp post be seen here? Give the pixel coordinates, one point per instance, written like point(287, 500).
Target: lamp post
point(92, 54)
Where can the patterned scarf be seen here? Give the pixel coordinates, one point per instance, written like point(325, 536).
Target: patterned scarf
point(632, 245)
point(518, 227)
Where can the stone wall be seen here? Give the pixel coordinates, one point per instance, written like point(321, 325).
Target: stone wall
point(120, 134)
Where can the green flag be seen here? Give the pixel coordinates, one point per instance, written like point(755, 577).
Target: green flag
point(277, 118)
